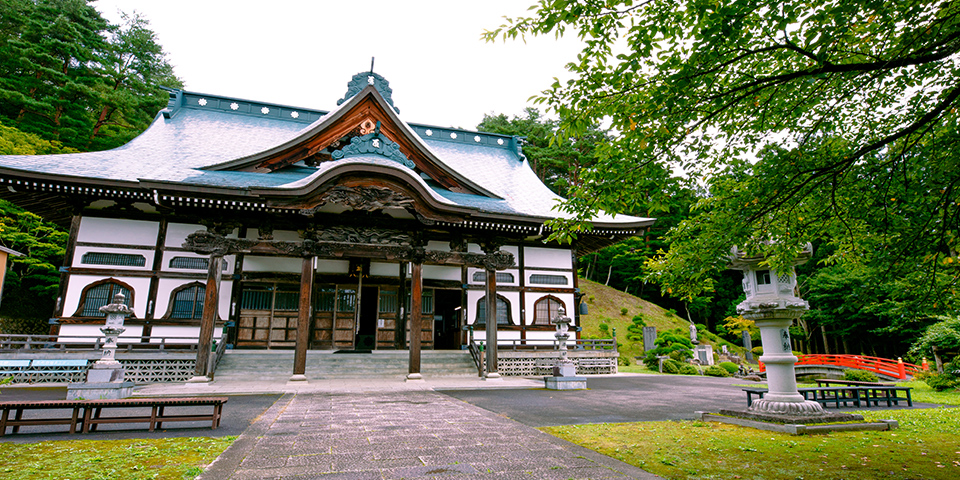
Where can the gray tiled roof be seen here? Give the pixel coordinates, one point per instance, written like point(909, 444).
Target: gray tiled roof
point(176, 149)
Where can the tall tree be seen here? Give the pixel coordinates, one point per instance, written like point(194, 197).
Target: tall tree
point(66, 74)
point(132, 68)
point(807, 119)
point(557, 161)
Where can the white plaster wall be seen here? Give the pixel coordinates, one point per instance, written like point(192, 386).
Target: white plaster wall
point(284, 235)
point(439, 272)
point(119, 231)
point(272, 264)
point(80, 251)
point(90, 333)
point(334, 266)
point(547, 257)
point(512, 297)
point(384, 269)
point(166, 286)
point(533, 297)
point(228, 260)
point(474, 248)
point(180, 334)
point(140, 286)
point(503, 336)
point(438, 246)
point(540, 337)
point(567, 275)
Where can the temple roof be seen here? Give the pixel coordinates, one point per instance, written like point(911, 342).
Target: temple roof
point(225, 145)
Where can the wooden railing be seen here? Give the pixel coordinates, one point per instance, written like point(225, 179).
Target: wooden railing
point(884, 366)
point(573, 344)
point(476, 352)
point(85, 343)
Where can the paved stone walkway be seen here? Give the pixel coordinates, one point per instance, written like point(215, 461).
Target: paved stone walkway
point(394, 435)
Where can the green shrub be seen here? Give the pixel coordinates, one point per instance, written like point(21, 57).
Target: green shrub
point(681, 355)
point(730, 367)
point(941, 382)
point(715, 371)
point(603, 327)
point(623, 311)
point(670, 312)
point(859, 376)
point(688, 369)
point(638, 321)
point(623, 360)
point(757, 351)
point(671, 366)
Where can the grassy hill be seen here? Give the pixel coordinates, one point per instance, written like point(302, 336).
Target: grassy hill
point(606, 306)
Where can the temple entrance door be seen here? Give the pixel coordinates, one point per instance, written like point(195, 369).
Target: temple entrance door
point(367, 324)
point(268, 316)
point(446, 316)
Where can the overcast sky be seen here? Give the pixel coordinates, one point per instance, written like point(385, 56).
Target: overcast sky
point(303, 53)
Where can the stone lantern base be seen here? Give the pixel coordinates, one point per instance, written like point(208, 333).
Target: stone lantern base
point(99, 391)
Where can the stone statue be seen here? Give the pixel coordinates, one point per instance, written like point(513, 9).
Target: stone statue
point(693, 334)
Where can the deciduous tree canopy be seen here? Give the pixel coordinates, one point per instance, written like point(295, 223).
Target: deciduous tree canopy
point(806, 120)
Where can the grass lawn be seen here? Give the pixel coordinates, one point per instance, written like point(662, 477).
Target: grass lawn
point(925, 446)
point(166, 458)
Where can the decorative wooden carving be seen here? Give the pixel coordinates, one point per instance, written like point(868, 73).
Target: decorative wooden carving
point(373, 143)
point(362, 198)
point(211, 244)
point(369, 236)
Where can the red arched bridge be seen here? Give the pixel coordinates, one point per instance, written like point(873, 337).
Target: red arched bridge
point(882, 367)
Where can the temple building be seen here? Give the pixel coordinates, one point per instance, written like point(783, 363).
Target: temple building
point(284, 227)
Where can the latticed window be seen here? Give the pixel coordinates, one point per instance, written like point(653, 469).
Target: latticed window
point(426, 301)
point(100, 294)
point(325, 299)
point(193, 263)
point(542, 279)
point(545, 310)
point(188, 301)
point(118, 259)
point(289, 301)
point(256, 299)
point(388, 301)
point(502, 277)
point(346, 300)
point(503, 311)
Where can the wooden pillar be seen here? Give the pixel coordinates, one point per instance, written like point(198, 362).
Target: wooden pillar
point(304, 314)
point(416, 298)
point(208, 318)
point(400, 339)
point(491, 306)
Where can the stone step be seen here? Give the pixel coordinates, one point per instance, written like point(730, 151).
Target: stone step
point(252, 364)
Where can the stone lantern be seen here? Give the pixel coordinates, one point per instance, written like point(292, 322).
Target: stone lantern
point(105, 376)
point(564, 372)
point(773, 305)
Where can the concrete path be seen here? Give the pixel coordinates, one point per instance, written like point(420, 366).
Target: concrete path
point(408, 434)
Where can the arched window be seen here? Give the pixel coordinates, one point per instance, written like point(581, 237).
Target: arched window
point(503, 311)
point(187, 301)
point(101, 293)
point(545, 310)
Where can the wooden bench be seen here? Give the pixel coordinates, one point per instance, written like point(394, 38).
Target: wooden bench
point(857, 396)
point(85, 415)
point(826, 382)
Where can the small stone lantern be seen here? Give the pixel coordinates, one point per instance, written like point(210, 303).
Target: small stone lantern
point(105, 376)
point(564, 372)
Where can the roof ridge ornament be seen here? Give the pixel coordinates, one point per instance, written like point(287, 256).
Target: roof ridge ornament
point(375, 143)
point(362, 79)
